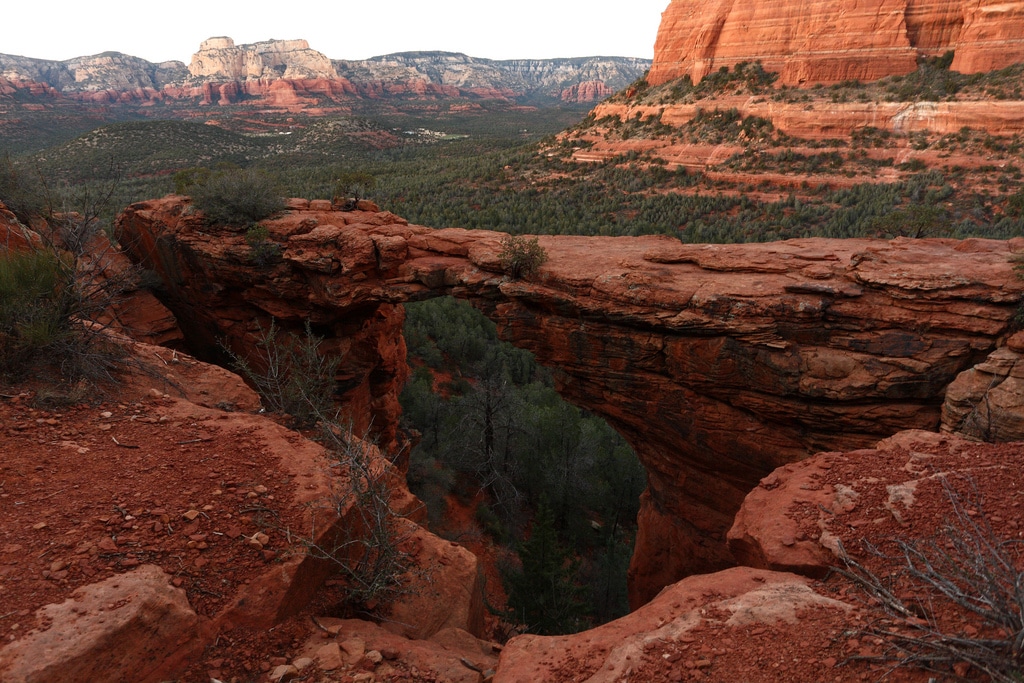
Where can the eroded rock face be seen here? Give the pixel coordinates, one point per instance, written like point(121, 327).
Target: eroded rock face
point(986, 402)
point(842, 118)
point(828, 42)
point(718, 363)
point(290, 74)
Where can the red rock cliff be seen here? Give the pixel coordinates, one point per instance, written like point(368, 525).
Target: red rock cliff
point(718, 363)
point(828, 41)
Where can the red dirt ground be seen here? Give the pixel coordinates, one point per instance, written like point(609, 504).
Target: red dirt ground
point(90, 490)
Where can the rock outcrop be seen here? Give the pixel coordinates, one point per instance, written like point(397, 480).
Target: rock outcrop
point(718, 363)
point(702, 609)
point(804, 516)
point(762, 621)
point(220, 59)
point(828, 42)
point(839, 120)
point(986, 402)
point(133, 626)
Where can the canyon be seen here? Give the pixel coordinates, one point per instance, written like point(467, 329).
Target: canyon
point(834, 41)
point(718, 363)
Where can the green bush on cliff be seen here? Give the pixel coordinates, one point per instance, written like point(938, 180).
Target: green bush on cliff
point(237, 196)
point(44, 303)
point(521, 256)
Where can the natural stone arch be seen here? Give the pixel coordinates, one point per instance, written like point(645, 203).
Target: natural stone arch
point(717, 363)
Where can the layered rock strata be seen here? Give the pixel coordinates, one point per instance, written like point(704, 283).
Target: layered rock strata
point(289, 73)
point(827, 42)
point(837, 120)
point(718, 363)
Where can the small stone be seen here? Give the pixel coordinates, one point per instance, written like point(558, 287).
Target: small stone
point(191, 515)
point(374, 656)
point(40, 525)
point(57, 565)
point(262, 538)
point(156, 393)
point(364, 677)
point(355, 648)
point(329, 657)
point(106, 415)
point(260, 489)
point(303, 663)
point(284, 672)
point(108, 545)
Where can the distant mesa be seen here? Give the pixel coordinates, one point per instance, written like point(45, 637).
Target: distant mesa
point(289, 73)
point(219, 57)
point(829, 41)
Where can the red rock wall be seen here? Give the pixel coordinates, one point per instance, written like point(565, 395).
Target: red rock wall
point(828, 41)
point(718, 363)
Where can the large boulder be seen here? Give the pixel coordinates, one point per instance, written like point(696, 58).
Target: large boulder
point(130, 627)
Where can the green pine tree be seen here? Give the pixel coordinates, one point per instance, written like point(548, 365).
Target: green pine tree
point(544, 595)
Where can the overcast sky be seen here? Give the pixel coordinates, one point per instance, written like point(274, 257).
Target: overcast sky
point(341, 29)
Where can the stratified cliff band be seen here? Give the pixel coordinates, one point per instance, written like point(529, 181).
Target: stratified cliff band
point(829, 41)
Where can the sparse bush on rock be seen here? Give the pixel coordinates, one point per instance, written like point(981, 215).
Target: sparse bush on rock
point(263, 250)
point(521, 256)
point(237, 197)
point(290, 373)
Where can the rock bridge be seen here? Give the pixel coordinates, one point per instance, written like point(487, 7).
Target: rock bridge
point(717, 363)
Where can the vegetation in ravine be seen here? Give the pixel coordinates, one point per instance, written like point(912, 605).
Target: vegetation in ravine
point(491, 423)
